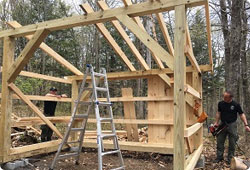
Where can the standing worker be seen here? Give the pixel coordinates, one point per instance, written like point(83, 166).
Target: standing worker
point(49, 110)
point(228, 111)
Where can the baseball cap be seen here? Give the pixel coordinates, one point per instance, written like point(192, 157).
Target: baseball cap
point(52, 89)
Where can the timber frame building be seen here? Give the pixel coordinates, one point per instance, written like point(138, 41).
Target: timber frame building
point(172, 91)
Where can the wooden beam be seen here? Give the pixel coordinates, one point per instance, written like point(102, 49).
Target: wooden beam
point(129, 113)
point(35, 109)
point(6, 101)
point(49, 51)
point(41, 76)
point(192, 91)
point(103, 5)
point(141, 74)
point(189, 51)
point(147, 40)
point(192, 129)
point(209, 33)
point(179, 81)
point(87, 8)
point(140, 9)
point(192, 160)
point(26, 54)
point(165, 33)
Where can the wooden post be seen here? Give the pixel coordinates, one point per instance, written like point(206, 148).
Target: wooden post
point(6, 102)
point(74, 95)
point(129, 113)
point(179, 81)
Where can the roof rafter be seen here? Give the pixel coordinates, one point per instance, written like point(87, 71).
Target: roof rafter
point(103, 16)
point(87, 8)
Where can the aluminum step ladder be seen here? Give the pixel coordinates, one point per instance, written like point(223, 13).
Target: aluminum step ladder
point(99, 120)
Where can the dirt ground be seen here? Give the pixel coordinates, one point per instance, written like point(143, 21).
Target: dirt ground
point(136, 160)
point(88, 161)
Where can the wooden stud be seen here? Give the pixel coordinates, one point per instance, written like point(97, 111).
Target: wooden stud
point(87, 8)
point(26, 54)
point(165, 33)
point(35, 109)
point(179, 81)
point(140, 9)
point(49, 51)
point(74, 95)
point(6, 101)
point(193, 158)
point(192, 91)
point(129, 113)
point(103, 5)
point(147, 40)
point(209, 33)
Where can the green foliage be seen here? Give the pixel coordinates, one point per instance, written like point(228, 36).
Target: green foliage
point(28, 85)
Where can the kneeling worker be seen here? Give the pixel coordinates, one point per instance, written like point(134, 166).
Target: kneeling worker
point(49, 110)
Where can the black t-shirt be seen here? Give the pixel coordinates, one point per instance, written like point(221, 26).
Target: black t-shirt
point(229, 111)
point(49, 108)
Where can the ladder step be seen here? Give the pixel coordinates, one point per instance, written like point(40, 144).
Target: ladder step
point(122, 167)
point(77, 129)
point(101, 89)
point(81, 116)
point(106, 119)
point(68, 155)
point(104, 103)
point(108, 135)
point(110, 152)
point(99, 74)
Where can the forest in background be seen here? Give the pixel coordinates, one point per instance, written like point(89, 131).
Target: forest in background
point(230, 41)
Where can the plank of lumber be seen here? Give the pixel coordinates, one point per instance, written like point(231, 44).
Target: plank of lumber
point(192, 129)
point(147, 40)
point(51, 146)
point(189, 99)
point(179, 81)
point(140, 9)
point(129, 113)
point(208, 24)
point(44, 77)
point(141, 73)
point(49, 51)
point(26, 54)
point(113, 99)
point(192, 91)
point(6, 101)
point(189, 51)
point(35, 109)
point(190, 163)
point(133, 146)
point(27, 121)
point(101, 27)
point(165, 33)
point(103, 5)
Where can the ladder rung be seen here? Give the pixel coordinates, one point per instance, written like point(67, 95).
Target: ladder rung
point(99, 74)
point(106, 119)
point(77, 129)
point(101, 89)
point(108, 135)
point(110, 152)
point(68, 155)
point(81, 116)
point(122, 167)
point(104, 103)
point(72, 142)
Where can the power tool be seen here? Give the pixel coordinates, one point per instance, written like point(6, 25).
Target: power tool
point(216, 130)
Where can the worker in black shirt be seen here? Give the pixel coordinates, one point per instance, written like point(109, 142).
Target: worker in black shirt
point(228, 110)
point(49, 110)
